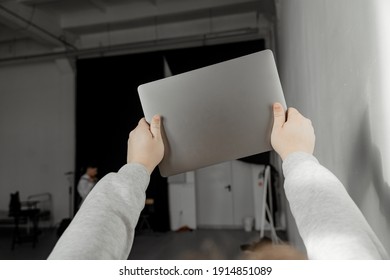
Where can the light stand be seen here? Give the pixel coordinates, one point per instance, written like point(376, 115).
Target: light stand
point(69, 176)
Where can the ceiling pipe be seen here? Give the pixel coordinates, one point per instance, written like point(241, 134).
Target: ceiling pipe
point(155, 45)
point(61, 40)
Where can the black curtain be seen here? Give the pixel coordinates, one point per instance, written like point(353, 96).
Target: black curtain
point(107, 109)
point(188, 59)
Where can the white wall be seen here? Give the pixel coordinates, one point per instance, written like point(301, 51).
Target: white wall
point(36, 132)
point(242, 187)
point(334, 66)
point(182, 202)
point(185, 200)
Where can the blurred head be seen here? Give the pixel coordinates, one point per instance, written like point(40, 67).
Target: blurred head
point(92, 171)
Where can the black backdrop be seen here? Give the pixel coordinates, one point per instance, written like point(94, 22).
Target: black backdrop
point(108, 107)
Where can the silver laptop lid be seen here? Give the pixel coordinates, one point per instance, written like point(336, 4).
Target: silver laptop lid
point(216, 113)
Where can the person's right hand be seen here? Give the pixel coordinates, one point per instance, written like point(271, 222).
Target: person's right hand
point(145, 145)
point(291, 133)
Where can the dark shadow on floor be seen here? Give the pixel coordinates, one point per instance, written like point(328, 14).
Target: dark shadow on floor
point(25, 251)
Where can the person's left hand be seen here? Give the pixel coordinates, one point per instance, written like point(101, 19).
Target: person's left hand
point(145, 145)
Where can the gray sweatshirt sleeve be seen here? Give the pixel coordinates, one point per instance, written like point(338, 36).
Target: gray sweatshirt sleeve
point(104, 226)
point(329, 222)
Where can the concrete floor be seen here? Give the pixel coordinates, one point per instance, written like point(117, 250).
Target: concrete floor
point(198, 244)
point(25, 251)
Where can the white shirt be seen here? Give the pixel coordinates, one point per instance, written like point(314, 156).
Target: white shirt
point(84, 186)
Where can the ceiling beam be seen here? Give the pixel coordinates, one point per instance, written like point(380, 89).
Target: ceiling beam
point(99, 4)
point(231, 9)
point(35, 24)
point(139, 47)
point(36, 1)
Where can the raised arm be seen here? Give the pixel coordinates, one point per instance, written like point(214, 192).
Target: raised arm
point(104, 226)
point(329, 222)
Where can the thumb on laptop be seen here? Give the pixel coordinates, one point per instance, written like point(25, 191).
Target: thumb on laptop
point(279, 115)
point(294, 135)
point(155, 127)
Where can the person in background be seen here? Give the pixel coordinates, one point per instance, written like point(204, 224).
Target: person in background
point(87, 182)
point(329, 222)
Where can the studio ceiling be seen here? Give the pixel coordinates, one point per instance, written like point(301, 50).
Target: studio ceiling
point(41, 26)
